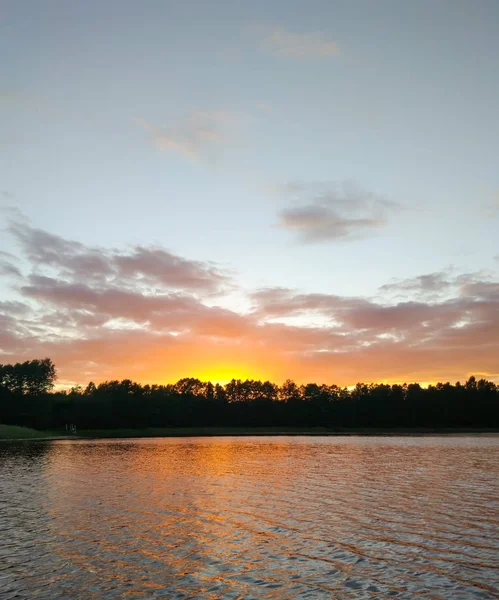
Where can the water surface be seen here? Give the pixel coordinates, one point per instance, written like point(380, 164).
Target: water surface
point(281, 517)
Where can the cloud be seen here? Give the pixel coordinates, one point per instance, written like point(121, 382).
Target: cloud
point(472, 302)
point(437, 285)
point(431, 282)
point(12, 212)
point(95, 305)
point(14, 307)
point(300, 45)
point(349, 315)
point(193, 136)
point(330, 213)
point(169, 269)
point(7, 266)
point(422, 340)
point(108, 301)
point(147, 265)
point(144, 313)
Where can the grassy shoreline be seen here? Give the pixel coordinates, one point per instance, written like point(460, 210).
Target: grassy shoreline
point(12, 432)
point(15, 432)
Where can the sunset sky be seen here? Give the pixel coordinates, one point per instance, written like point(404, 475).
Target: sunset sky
point(250, 189)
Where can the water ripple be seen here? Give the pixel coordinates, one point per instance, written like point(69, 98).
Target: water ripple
point(249, 518)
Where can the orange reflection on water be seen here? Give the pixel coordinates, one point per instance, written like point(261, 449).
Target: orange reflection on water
point(272, 517)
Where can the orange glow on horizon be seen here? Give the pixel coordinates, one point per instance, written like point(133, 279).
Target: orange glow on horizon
point(220, 362)
point(222, 366)
point(223, 372)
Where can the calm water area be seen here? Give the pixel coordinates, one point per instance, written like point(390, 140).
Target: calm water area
point(251, 517)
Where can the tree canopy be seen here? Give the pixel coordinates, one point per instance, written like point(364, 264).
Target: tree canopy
point(31, 377)
point(26, 399)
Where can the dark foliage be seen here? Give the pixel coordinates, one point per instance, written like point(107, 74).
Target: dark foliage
point(24, 393)
point(25, 399)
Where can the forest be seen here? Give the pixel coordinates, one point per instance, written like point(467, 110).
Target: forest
point(28, 398)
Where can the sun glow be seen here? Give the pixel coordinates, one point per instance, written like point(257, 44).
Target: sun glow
point(224, 373)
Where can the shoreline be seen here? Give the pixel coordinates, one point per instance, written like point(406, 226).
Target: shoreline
point(93, 434)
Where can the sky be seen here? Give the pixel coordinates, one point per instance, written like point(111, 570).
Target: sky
point(270, 190)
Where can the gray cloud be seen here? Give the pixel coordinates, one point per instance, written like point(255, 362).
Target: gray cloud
point(328, 213)
point(14, 307)
point(431, 282)
point(139, 264)
point(436, 285)
point(7, 266)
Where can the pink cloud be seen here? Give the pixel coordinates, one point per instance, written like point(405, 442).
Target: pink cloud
point(142, 313)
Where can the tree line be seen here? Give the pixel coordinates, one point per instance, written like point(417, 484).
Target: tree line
point(27, 398)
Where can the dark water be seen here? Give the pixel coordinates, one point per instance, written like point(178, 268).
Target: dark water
point(250, 518)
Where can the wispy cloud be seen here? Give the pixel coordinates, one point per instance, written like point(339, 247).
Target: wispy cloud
point(435, 285)
point(300, 45)
point(7, 266)
point(429, 283)
point(193, 135)
point(327, 213)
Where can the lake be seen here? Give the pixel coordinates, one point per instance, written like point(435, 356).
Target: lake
point(251, 517)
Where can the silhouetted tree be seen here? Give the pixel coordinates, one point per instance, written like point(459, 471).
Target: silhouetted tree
point(26, 398)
